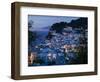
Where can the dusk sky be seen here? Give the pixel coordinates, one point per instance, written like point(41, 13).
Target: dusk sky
point(45, 21)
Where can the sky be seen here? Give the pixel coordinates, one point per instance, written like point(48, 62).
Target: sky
point(41, 22)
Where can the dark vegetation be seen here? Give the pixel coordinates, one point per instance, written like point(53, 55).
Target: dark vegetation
point(31, 35)
point(81, 22)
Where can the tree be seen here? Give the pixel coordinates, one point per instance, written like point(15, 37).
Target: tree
point(30, 24)
point(49, 36)
point(31, 35)
point(58, 27)
point(81, 22)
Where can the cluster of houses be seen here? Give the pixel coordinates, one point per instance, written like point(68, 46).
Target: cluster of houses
point(61, 49)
